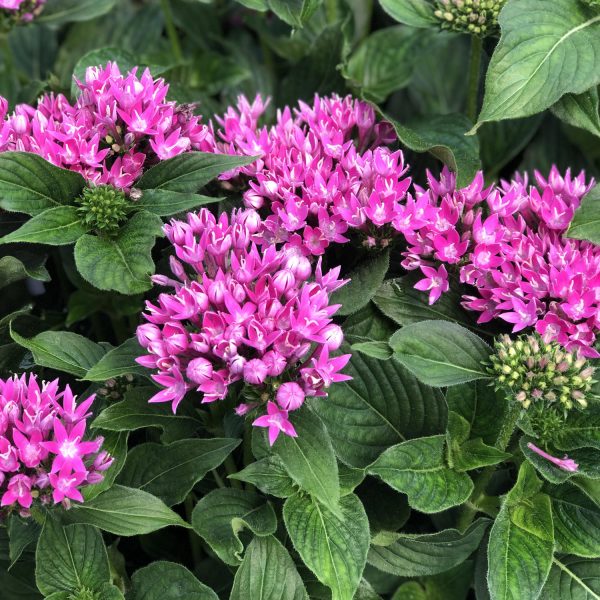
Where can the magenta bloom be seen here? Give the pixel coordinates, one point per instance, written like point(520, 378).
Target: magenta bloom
point(436, 282)
point(277, 421)
point(565, 463)
point(325, 169)
point(241, 311)
point(41, 431)
point(119, 125)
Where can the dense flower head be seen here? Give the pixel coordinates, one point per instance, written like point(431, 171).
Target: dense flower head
point(508, 242)
point(43, 454)
point(102, 208)
point(476, 17)
point(241, 312)
point(119, 125)
point(323, 169)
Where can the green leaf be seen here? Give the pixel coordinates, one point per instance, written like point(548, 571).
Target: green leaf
point(383, 404)
point(70, 557)
point(521, 541)
point(573, 578)
point(465, 454)
point(269, 476)
point(170, 472)
point(416, 13)
point(378, 350)
point(117, 362)
point(163, 580)
point(384, 62)
point(267, 573)
point(580, 110)
point(294, 12)
point(417, 469)
point(576, 521)
point(61, 350)
point(56, 227)
point(368, 325)
point(190, 171)
point(165, 203)
point(440, 353)
point(115, 443)
point(31, 185)
point(123, 263)
point(34, 50)
point(14, 269)
point(125, 511)
point(309, 458)
point(220, 516)
point(135, 413)
point(580, 430)
point(22, 532)
point(586, 222)
point(398, 300)
point(427, 554)
point(480, 405)
point(444, 137)
point(58, 12)
point(542, 55)
point(365, 280)
point(333, 547)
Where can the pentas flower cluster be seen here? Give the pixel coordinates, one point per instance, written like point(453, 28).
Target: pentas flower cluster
point(42, 452)
point(324, 169)
point(242, 312)
point(119, 125)
point(22, 10)
point(508, 243)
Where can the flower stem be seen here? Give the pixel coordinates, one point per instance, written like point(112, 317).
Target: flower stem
point(231, 469)
point(193, 538)
point(171, 31)
point(474, 72)
point(478, 497)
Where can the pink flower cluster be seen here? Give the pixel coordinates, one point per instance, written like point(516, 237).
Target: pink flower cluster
point(323, 169)
point(508, 242)
point(119, 125)
point(242, 312)
point(42, 452)
point(24, 10)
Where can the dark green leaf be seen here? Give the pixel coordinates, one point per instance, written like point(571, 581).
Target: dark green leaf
point(581, 430)
point(333, 547)
point(34, 50)
point(573, 578)
point(586, 222)
point(440, 353)
point(417, 469)
point(69, 558)
point(416, 13)
point(428, 554)
point(383, 404)
point(269, 476)
point(294, 12)
point(56, 227)
point(267, 573)
point(117, 362)
point(223, 513)
point(365, 280)
point(580, 110)
point(170, 472)
point(190, 171)
point(378, 350)
point(61, 350)
point(13, 269)
point(58, 12)
point(165, 203)
point(167, 581)
point(309, 458)
point(31, 185)
point(542, 55)
point(115, 443)
point(125, 511)
point(22, 533)
point(124, 263)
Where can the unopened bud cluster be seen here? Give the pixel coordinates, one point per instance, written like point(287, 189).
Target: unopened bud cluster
point(115, 389)
point(477, 17)
point(545, 374)
point(103, 208)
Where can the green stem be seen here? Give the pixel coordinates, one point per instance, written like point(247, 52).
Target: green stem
point(478, 497)
point(474, 72)
point(331, 11)
point(171, 31)
point(218, 479)
point(193, 538)
point(231, 469)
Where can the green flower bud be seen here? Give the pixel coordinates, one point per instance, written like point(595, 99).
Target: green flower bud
point(477, 18)
point(103, 208)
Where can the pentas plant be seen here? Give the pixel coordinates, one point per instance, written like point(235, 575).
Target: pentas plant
point(325, 171)
point(44, 458)
point(118, 126)
point(242, 312)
